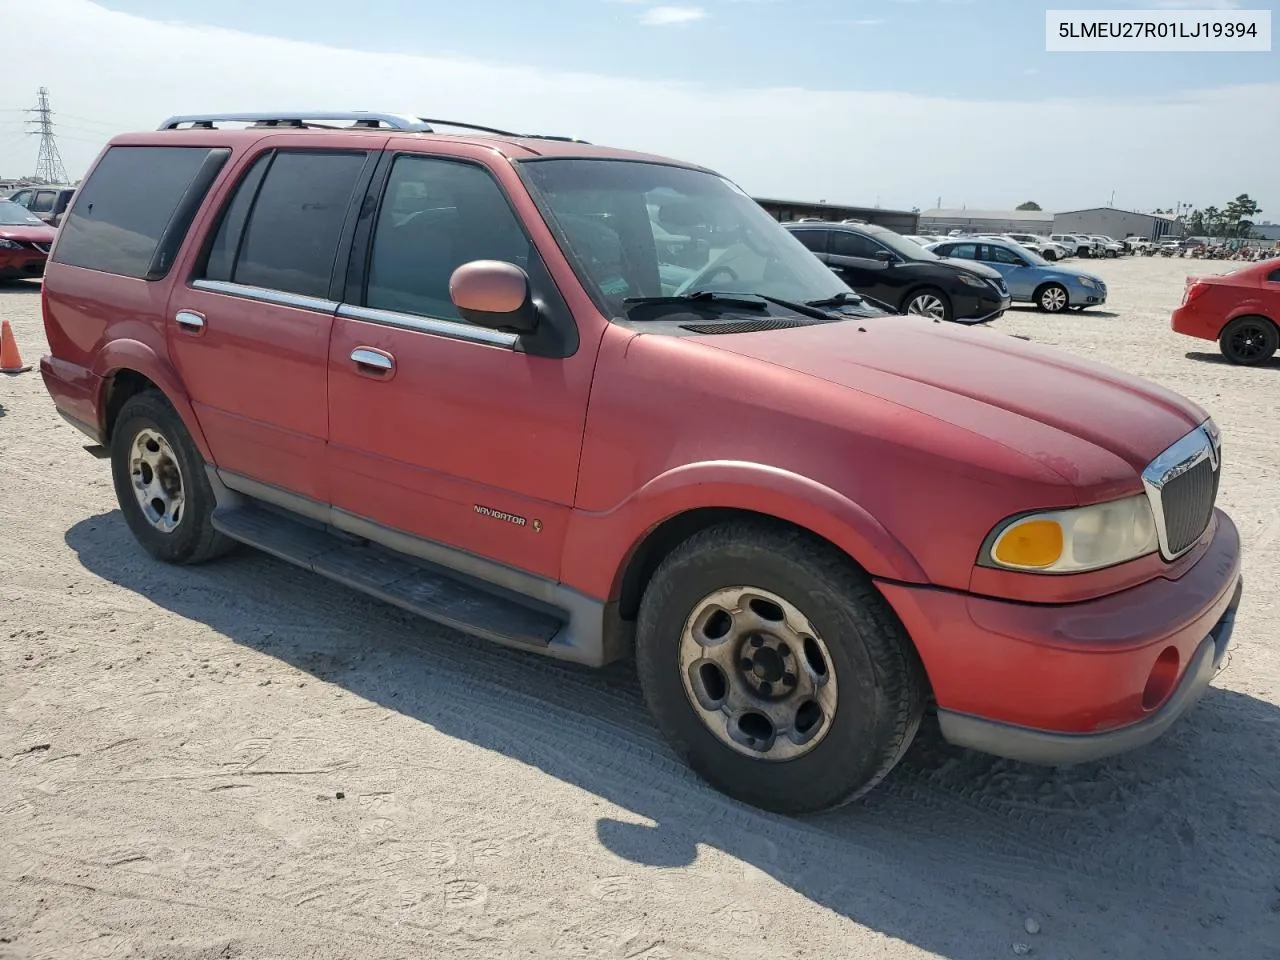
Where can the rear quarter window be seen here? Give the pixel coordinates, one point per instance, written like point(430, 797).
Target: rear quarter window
point(133, 212)
point(1274, 276)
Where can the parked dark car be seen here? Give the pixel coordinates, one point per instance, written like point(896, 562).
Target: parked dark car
point(49, 203)
point(888, 267)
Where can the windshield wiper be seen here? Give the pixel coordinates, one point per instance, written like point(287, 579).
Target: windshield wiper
point(838, 300)
point(704, 296)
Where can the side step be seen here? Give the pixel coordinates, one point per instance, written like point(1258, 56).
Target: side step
point(427, 590)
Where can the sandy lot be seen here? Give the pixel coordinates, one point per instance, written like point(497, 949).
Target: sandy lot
point(244, 760)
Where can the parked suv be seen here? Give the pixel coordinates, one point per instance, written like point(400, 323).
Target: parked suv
point(48, 203)
point(1077, 246)
point(446, 370)
point(888, 267)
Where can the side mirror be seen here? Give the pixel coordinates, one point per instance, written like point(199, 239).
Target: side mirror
point(884, 256)
point(494, 294)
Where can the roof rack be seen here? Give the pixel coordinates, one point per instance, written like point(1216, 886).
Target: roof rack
point(363, 119)
point(357, 118)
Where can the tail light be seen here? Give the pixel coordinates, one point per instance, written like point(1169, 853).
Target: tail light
point(1195, 288)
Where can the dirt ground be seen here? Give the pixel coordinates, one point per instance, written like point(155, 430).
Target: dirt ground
point(244, 760)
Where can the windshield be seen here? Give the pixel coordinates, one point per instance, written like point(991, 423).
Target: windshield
point(1028, 254)
point(634, 229)
point(902, 246)
point(15, 215)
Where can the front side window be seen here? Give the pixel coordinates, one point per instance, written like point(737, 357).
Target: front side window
point(44, 201)
point(642, 229)
point(436, 215)
point(1002, 255)
point(847, 244)
point(815, 240)
point(964, 251)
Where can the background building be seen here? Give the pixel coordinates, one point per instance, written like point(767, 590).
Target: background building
point(1267, 230)
point(1118, 224)
point(987, 221)
point(903, 221)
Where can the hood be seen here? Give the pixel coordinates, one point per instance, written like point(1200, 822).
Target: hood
point(28, 234)
point(926, 366)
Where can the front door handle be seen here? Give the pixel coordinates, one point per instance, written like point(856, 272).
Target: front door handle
point(190, 321)
point(373, 362)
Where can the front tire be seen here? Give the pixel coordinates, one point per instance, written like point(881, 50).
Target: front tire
point(776, 669)
point(1249, 341)
point(161, 485)
point(1052, 298)
point(929, 302)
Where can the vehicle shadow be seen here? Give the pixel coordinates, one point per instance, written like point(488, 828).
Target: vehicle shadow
point(1087, 312)
point(1167, 852)
point(20, 286)
point(1206, 357)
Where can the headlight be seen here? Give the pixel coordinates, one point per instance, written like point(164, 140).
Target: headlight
point(1086, 282)
point(970, 280)
point(1075, 540)
point(10, 245)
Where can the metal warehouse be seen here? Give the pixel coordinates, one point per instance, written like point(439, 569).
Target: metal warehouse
point(903, 221)
point(987, 221)
point(1118, 224)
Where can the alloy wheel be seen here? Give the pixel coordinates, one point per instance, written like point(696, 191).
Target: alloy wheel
point(157, 480)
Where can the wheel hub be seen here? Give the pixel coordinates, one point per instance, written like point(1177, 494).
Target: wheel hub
point(157, 480)
point(757, 673)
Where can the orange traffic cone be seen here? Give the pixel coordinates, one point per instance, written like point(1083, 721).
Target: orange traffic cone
point(10, 358)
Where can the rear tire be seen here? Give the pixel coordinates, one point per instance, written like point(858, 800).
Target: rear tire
point(161, 485)
point(1249, 341)
point(776, 669)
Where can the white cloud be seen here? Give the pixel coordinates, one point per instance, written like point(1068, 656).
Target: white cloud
point(666, 16)
point(860, 23)
point(129, 73)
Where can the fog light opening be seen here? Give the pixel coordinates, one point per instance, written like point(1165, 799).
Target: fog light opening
point(1164, 674)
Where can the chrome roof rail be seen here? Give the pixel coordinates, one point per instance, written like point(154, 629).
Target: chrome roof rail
point(363, 119)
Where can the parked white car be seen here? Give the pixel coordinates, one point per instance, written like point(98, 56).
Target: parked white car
point(1110, 248)
point(1042, 245)
point(1078, 245)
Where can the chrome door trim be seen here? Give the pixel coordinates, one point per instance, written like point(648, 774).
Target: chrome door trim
point(452, 329)
point(263, 295)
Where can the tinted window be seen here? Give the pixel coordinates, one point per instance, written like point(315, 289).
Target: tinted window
point(435, 216)
point(44, 201)
point(815, 240)
point(292, 236)
point(1002, 255)
point(847, 244)
point(965, 251)
point(1274, 276)
point(221, 255)
point(125, 206)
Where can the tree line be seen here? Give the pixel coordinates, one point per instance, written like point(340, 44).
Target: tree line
point(1234, 220)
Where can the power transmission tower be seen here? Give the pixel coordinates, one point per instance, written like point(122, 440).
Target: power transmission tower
point(49, 163)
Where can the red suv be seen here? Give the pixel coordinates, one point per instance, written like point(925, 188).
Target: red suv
point(591, 403)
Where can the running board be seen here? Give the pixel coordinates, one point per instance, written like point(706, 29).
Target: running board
point(425, 589)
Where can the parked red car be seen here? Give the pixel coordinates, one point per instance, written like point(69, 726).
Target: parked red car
point(464, 373)
point(25, 240)
point(1241, 310)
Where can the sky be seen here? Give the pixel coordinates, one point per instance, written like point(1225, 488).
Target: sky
point(897, 103)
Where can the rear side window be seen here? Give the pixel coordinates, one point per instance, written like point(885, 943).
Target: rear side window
point(136, 207)
point(964, 251)
point(1274, 276)
point(282, 228)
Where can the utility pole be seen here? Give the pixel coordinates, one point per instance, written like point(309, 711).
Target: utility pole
point(49, 162)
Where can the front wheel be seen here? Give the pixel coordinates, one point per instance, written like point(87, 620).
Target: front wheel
point(776, 669)
point(161, 485)
point(1249, 341)
point(1052, 298)
point(929, 302)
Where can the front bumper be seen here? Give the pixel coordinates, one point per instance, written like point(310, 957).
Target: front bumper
point(980, 309)
point(1064, 683)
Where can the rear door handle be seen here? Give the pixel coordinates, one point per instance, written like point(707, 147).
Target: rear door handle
point(190, 321)
point(373, 362)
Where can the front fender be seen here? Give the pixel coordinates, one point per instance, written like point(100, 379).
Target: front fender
point(125, 354)
point(598, 546)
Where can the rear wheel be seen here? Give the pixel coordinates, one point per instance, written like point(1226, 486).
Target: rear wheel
point(1249, 341)
point(1052, 298)
point(929, 302)
point(160, 483)
point(775, 668)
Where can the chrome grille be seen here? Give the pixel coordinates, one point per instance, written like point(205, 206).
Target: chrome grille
point(1182, 485)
